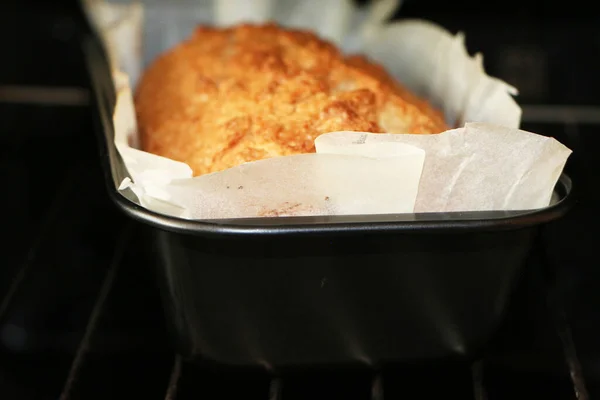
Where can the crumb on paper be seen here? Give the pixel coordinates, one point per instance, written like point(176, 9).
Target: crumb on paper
point(361, 140)
point(326, 198)
point(240, 187)
point(287, 209)
point(131, 139)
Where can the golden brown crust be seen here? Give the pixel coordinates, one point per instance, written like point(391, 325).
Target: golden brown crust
point(231, 95)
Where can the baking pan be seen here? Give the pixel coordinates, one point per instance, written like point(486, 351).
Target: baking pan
point(312, 291)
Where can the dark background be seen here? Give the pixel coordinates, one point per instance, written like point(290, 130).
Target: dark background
point(549, 52)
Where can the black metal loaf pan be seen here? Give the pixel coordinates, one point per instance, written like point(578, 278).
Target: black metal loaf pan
point(285, 292)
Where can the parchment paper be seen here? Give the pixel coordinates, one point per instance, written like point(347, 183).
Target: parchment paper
point(491, 165)
point(477, 167)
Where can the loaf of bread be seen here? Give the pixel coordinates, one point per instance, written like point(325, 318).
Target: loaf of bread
point(231, 95)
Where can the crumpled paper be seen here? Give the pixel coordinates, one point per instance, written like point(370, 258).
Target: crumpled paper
point(478, 167)
point(491, 165)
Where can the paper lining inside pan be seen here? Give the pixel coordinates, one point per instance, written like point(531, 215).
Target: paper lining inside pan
point(423, 56)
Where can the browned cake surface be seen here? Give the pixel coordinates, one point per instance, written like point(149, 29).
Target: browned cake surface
point(228, 96)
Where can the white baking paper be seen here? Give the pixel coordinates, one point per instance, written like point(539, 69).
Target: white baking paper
point(478, 167)
point(490, 165)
